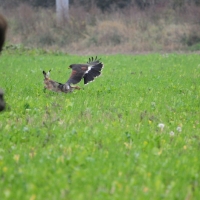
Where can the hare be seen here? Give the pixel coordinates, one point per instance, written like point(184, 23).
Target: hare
point(56, 86)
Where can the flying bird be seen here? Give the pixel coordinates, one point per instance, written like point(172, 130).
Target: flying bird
point(88, 72)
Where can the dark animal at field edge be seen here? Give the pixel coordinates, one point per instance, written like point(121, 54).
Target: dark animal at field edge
point(2, 102)
point(3, 28)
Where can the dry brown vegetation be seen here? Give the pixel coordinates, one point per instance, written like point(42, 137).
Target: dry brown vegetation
point(131, 30)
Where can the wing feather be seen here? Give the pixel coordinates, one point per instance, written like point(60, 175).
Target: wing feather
point(75, 77)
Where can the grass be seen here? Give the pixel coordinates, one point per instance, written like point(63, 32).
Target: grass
point(102, 142)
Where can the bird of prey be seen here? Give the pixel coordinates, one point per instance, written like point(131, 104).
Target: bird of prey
point(88, 72)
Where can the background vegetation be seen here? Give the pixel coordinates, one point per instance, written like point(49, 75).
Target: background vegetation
point(105, 26)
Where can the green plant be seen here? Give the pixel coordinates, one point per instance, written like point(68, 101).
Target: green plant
point(132, 133)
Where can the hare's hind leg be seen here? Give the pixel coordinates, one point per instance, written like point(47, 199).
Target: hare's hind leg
point(75, 87)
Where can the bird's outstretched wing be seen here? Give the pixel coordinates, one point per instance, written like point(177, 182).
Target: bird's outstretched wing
point(88, 71)
point(93, 72)
point(78, 71)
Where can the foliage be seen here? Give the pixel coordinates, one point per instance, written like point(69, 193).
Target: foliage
point(36, 3)
point(107, 4)
point(134, 132)
point(129, 30)
point(104, 4)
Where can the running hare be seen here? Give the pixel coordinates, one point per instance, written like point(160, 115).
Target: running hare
point(56, 86)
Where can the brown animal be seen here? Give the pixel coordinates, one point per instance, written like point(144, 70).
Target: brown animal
point(56, 86)
point(3, 28)
point(2, 102)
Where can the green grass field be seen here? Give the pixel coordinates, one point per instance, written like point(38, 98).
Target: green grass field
point(105, 141)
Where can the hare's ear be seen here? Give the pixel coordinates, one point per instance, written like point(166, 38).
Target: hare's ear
point(48, 73)
point(44, 73)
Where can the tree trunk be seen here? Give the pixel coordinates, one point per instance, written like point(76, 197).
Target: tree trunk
point(62, 10)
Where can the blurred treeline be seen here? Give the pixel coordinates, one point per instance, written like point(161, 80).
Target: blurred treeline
point(106, 26)
point(105, 4)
